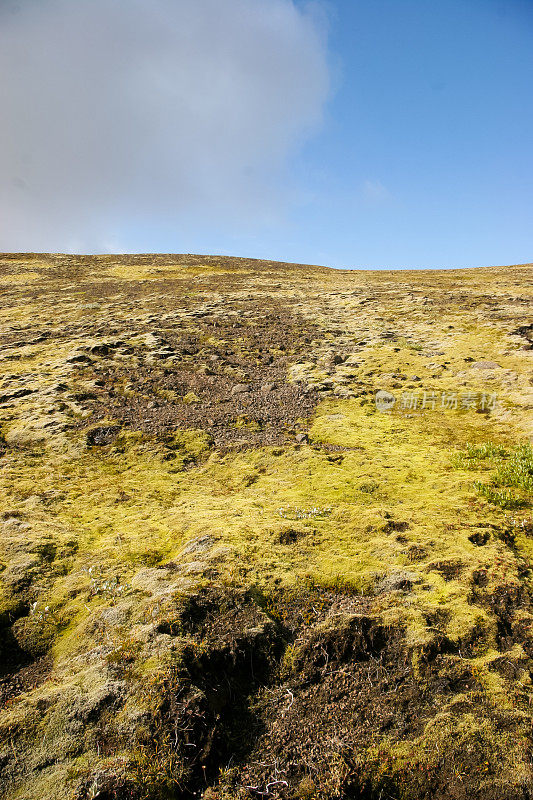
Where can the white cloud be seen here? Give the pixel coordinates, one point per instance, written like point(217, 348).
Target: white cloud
point(149, 112)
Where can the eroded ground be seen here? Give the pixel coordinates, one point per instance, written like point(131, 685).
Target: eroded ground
point(224, 572)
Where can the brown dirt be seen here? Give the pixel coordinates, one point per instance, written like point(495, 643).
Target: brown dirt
point(286, 697)
point(252, 356)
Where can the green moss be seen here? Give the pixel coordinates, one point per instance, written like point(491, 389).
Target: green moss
point(105, 542)
point(467, 748)
point(130, 507)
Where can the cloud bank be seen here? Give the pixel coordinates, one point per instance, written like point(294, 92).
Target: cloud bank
point(121, 114)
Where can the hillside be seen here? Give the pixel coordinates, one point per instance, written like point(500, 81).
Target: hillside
point(225, 571)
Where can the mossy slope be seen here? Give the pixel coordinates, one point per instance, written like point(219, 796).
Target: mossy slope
point(223, 570)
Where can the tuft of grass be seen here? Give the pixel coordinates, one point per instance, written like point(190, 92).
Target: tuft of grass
point(511, 485)
point(504, 498)
point(517, 470)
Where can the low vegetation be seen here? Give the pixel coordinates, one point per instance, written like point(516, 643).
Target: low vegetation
point(511, 485)
point(224, 572)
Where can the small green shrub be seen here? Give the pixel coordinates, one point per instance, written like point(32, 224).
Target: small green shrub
point(511, 485)
point(504, 498)
point(518, 470)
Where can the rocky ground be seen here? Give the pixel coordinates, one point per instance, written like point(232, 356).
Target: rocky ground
point(224, 571)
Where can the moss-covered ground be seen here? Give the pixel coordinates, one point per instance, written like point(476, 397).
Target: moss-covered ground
point(224, 570)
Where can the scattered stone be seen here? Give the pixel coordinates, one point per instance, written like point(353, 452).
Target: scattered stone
point(302, 438)
point(241, 388)
point(485, 365)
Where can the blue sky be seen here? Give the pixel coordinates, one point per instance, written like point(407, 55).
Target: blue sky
point(351, 133)
point(433, 114)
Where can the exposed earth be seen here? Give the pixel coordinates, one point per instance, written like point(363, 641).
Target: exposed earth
point(225, 571)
